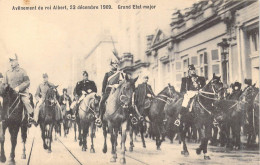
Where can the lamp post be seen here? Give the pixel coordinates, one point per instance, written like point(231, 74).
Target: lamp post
point(224, 45)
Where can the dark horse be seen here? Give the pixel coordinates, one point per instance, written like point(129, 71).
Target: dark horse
point(156, 114)
point(116, 115)
point(88, 110)
point(47, 119)
point(12, 118)
point(203, 111)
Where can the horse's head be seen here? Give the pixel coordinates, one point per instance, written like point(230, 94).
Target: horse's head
point(215, 86)
point(96, 101)
point(168, 91)
point(249, 93)
point(51, 96)
point(126, 89)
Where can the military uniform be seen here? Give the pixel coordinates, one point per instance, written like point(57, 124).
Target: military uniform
point(236, 91)
point(85, 85)
point(18, 78)
point(111, 79)
point(190, 86)
point(40, 97)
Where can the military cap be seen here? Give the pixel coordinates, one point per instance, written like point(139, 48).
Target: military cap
point(85, 73)
point(64, 89)
point(44, 75)
point(191, 67)
point(13, 57)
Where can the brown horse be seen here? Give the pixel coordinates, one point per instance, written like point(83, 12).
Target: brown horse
point(47, 117)
point(116, 116)
point(87, 113)
point(156, 114)
point(11, 113)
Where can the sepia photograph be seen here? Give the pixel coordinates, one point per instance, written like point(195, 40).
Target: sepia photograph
point(136, 82)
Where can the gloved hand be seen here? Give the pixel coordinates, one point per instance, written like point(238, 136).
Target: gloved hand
point(89, 91)
point(149, 95)
point(83, 92)
point(16, 89)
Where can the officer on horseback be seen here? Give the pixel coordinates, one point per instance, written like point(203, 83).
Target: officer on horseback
point(143, 96)
point(18, 79)
point(41, 93)
point(111, 81)
point(82, 89)
point(189, 87)
point(65, 101)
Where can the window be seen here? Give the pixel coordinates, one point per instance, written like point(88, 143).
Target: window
point(214, 55)
point(178, 65)
point(185, 63)
point(194, 60)
point(215, 69)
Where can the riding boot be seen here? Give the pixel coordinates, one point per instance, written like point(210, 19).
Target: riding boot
point(179, 118)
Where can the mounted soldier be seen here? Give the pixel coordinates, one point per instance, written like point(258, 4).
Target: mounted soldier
point(18, 79)
point(65, 101)
point(143, 96)
point(110, 82)
point(189, 87)
point(82, 89)
point(41, 94)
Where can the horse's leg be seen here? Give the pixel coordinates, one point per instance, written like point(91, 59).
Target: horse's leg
point(123, 139)
point(80, 133)
point(142, 129)
point(84, 136)
point(75, 131)
point(14, 129)
point(3, 157)
point(93, 129)
point(50, 136)
point(112, 139)
point(184, 128)
point(105, 137)
point(43, 135)
point(131, 131)
point(24, 137)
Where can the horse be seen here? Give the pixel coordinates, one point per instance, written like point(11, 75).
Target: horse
point(87, 113)
point(251, 97)
point(116, 116)
point(12, 118)
point(47, 117)
point(66, 117)
point(203, 115)
point(156, 114)
point(233, 114)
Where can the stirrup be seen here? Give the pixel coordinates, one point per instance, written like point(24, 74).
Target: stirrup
point(177, 122)
point(98, 122)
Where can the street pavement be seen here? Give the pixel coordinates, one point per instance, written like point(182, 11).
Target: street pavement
point(65, 151)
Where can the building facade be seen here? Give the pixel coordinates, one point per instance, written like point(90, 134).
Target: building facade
point(196, 37)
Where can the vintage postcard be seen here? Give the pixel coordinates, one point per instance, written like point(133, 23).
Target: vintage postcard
point(129, 81)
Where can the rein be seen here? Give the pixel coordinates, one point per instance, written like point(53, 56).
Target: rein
point(91, 109)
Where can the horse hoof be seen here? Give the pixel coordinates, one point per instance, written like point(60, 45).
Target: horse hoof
point(75, 140)
point(45, 146)
point(206, 158)
point(185, 153)
point(144, 146)
point(122, 161)
point(23, 156)
point(131, 149)
point(49, 151)
point(198, 151)
point(3, 159)
point(105, 150)
point(92, 150)
point(80, 143)
point(158, 148)
point(113, 160)
point(84, 149)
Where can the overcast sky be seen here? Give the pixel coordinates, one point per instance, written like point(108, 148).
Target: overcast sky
point(45, 41)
